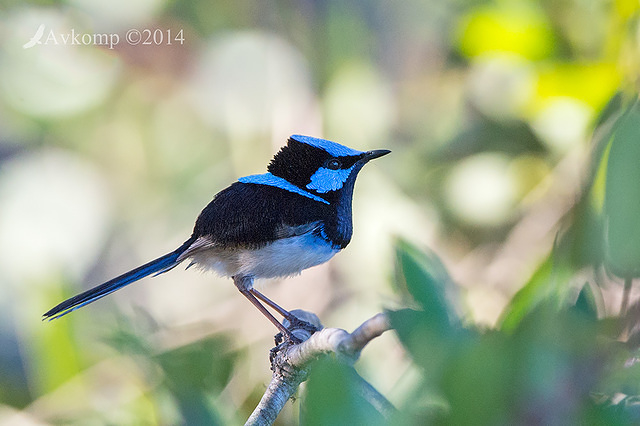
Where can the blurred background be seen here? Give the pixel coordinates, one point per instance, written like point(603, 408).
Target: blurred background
point(109, 152)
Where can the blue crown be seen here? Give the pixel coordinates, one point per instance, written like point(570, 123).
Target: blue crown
point(332, 148)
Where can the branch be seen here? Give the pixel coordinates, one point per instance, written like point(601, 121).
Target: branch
point(290, 363)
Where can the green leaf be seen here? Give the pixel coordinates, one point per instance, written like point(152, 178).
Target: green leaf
point(424, 344)
point(194, 373)
point(430, 332)
point(622, 197)
point(548, 282)
point(477, 381)
point(586, 303)
point(333, 397)
point(206, 365)
point(425, 280)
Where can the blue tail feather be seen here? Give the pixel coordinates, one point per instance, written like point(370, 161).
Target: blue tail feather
point(157, 267)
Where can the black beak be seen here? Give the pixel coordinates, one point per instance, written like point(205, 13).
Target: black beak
point(376, 153)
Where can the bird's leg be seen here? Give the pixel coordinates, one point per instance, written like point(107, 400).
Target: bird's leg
point(267, 314)
point(293, 320)
point(271, 303)
point(244, 284)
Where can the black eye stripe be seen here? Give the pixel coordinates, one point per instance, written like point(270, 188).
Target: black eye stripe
point(333, 164)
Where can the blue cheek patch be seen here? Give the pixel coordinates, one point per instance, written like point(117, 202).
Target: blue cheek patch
point(325, 180)
point(271, 180)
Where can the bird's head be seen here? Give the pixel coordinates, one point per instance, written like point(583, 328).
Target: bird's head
point(319, 166)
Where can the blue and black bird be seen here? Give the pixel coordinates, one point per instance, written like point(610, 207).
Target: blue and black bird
point(295, 216)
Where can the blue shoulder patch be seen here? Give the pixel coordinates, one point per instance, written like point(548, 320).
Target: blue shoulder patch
point(332, 148)
point(271, 180)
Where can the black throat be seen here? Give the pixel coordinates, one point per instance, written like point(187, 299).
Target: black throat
point(339, 227)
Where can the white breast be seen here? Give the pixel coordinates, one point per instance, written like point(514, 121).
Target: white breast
point(282, 258)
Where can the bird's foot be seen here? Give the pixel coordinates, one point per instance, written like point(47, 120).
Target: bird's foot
point(299, 325)
point(296, 323)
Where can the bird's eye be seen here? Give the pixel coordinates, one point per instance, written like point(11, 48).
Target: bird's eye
point(333, 164)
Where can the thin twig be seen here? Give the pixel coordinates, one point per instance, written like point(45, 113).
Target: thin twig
point(375, 398)
point(290, 366)
point(628, 282)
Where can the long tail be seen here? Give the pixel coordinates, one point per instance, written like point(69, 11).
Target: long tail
point(158, 266)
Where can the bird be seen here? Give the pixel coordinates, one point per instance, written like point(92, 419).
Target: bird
point(35, 39)
point(272, 225)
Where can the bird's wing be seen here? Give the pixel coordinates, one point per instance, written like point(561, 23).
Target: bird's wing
point(206, 242)
point(286, 231)
point(200, 244)
point(250, 216)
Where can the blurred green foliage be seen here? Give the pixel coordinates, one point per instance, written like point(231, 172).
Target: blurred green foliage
point(555, 358)
point(106, 156)
point(622, 196)
point(546, 368)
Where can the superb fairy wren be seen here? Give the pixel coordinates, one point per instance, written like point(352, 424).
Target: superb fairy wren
point(276, 224)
